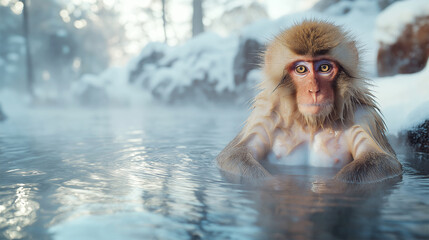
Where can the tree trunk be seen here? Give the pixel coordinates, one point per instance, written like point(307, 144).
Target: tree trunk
point(30, 78)
point(164, 21)
point(197, 17)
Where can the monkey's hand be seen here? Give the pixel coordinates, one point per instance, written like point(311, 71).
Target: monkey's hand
point(239, 161)
point(370, 167)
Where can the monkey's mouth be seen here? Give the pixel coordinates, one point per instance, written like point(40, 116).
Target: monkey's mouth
point(315, 108)
point(315, 104)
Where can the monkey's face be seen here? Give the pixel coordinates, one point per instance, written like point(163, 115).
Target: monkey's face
point(313, 79)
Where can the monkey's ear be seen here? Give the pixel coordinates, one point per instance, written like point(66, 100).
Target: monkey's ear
point(346, 53)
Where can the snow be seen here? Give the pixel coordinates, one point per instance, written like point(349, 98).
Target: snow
point(403, 99)
point(150, 47)
point(391, 22)
point(207, 57)
point(111, 84)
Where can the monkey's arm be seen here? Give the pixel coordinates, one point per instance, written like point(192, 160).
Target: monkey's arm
point(373, 158)
point(241, 157)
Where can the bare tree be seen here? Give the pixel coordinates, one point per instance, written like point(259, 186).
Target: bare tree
point(197, 17)
point(30, 77)
point(164, 21)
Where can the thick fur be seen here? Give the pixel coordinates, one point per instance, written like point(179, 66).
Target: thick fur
point(275, 106)
point(311, 38)
point(236, 158)
point(370, 168)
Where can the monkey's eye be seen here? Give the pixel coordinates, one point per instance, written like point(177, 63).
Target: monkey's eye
point(325, 68)
point(300, 69)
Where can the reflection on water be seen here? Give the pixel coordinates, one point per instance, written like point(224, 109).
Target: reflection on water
point(322, 210)
point(127, 174)
point(17, 209)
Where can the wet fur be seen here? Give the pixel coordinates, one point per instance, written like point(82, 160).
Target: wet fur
point(236, 158)
point(372, 167)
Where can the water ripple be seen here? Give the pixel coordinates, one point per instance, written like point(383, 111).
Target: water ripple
point(121, 174)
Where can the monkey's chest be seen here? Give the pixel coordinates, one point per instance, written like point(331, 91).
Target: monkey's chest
point(324, 149)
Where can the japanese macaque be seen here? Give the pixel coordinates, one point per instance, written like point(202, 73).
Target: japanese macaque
point(314, 108)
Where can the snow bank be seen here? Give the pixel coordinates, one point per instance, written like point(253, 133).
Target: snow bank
point(110, 88)
point(205, 60)
point(403, 99)
point(391, 22)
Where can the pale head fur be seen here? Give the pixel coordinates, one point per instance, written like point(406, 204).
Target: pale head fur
point(276, 100)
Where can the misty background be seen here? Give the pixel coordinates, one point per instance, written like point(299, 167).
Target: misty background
point(47, 45)
point(111, 53)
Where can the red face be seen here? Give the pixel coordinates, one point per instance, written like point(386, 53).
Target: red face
point(313, 80)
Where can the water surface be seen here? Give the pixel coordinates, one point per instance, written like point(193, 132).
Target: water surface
point(150, 174)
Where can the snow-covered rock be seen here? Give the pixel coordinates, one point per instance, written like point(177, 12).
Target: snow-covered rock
point(402, 30)
point(404, 101)
point(110, 88)
point(394, 19)
point(201, 69)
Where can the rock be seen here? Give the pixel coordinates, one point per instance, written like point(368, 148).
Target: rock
point(418, 137)
point(246, 59)
point(152, 57)
point(2, 115)
point(409, 53)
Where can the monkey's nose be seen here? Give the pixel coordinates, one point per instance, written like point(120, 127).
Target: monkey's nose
point(313, 93)
point(313, 86)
